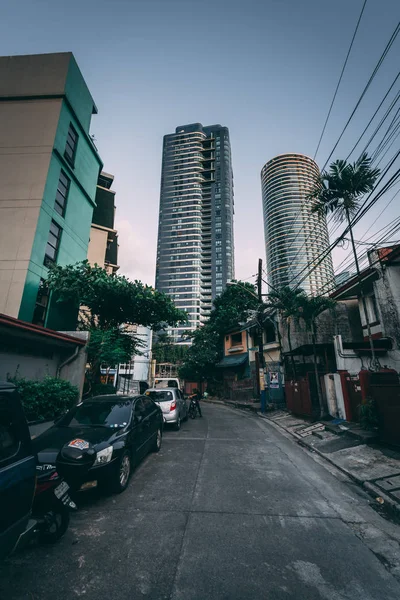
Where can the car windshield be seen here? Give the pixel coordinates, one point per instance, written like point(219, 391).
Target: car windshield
point(160, 396)
point(106, 414)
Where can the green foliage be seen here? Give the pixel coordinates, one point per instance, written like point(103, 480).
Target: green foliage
point(369, 414)
point(164, 351)
point(230, 309)
point(202, 355)
point(107, 301)
point(46, 399)
point(311, 308)
point(111, 346)
point(107, 304)
point(339, 189)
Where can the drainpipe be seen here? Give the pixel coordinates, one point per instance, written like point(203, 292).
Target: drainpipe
point(67, 361)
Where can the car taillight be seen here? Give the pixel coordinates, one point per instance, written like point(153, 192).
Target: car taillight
point(173, 406)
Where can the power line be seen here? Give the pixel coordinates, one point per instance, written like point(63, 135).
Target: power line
point(340, 78)
point(372, 76)
point(373, 117)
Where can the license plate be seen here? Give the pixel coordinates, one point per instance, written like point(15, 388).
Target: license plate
point(61, 489)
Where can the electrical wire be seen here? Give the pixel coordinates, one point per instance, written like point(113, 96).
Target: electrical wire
point(340, 78)
point(370, 80)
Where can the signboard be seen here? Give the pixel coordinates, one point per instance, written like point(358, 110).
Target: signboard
point(273, 379)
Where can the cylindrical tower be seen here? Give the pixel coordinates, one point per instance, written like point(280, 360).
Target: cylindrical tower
point(295, 237)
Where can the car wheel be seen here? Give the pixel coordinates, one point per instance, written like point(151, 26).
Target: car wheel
point(55, 524)
point(122, 473)
point(157, 441)
point(178, 423)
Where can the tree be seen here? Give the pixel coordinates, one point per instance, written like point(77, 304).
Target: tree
point(201, 358)
point(309, 310)
point(233, 306)
point(339, 190)
point(286, 301)
point(106, 305)
point(230, 309)
point(111, 300)
point(165, 351)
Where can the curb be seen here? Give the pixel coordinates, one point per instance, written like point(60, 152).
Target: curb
point(372, 489)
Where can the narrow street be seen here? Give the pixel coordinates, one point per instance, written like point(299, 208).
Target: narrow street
point(229, 509)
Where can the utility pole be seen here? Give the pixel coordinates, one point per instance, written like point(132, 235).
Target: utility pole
point(260, 319)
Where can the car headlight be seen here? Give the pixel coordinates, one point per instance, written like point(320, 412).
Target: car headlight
point(103, 456)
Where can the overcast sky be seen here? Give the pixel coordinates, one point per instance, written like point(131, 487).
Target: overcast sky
point(267, 69)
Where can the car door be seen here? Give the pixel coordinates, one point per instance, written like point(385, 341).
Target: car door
point(151, 419)
point(182, 405)
point(139, 428)
point(17, 470)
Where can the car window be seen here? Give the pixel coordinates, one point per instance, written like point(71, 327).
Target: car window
point(139, 410)
point(160, 395)
point(111, 414)
point(178, 394)
point(9, 443)
point(148, 404)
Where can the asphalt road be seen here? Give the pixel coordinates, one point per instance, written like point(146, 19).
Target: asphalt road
point(229, 509)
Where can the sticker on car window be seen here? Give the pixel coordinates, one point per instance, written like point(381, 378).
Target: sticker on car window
point(80, 444)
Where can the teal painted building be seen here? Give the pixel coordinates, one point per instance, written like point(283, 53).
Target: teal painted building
point(47, 181)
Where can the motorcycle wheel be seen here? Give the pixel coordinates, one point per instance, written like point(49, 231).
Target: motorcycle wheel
point(55, 524)
point(192, 414)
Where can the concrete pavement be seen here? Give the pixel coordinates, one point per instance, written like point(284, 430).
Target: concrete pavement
point(229, 509)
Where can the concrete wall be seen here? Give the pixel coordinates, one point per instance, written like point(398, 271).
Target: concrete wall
point(235, 348)
point(41, 361)
point(27, 134)
point(97, 246)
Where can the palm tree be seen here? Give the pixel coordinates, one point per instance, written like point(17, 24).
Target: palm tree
point(339, 190)
point(310, 309)
point(286, 301)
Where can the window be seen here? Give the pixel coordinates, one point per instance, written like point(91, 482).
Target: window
point(42, 299)
point(53, 243)
point(62, 193)
point(70, 147)
point(236, 339)
point(8, 440)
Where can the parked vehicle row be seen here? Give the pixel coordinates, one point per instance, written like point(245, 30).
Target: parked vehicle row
point(96, 444)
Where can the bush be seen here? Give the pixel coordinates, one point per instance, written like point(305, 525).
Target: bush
point(47, 399)
point(369, 414)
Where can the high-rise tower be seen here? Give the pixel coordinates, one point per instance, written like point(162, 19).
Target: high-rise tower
point(295, 237)
point(195, 253)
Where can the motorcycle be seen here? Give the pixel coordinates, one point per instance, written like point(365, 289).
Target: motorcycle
point(51, 504)
point(50, 508)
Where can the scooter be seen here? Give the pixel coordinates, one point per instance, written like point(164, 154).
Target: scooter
point(50, 508)
point(51, 504)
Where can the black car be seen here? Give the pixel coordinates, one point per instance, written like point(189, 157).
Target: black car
point(17, 469)
point(100, 440)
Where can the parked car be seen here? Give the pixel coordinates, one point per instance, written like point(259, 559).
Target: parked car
point(17, 469)
point(100, 440)
point(172, 403)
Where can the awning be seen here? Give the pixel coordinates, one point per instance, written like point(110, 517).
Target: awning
point(232, 361)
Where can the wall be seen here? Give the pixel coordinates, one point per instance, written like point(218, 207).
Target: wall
point(27, 135)
point(76, 222)
point(39, 360)
point(97, 246)
point(237, 348)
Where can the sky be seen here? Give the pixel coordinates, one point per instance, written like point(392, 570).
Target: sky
point(266, 69)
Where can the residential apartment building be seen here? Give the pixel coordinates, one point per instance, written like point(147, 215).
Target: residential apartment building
point(49, 169)
point(195, 254)
point(103, 244)
point(295, 237)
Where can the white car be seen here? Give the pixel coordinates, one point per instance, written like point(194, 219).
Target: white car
point(172, 404)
